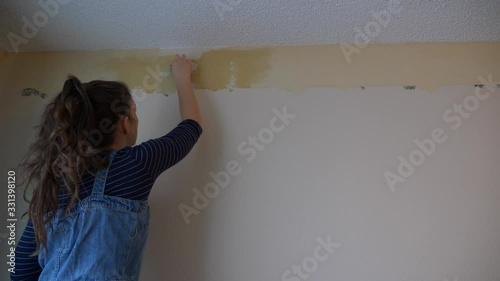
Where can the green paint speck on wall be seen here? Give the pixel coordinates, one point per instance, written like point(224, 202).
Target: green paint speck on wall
point(32, 92)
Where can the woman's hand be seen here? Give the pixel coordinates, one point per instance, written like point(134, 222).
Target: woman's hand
point(181, 69)
point(188, 105)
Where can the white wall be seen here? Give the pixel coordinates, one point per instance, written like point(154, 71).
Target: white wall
point(324, 175)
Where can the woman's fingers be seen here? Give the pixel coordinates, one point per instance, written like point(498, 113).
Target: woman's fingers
point(182, 69)
point(181, 57)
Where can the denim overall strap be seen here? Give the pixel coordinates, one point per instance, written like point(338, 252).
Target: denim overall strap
point(100, 177)
point(76, 249)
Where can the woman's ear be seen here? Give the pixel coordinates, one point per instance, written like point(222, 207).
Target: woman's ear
point(126, 124)
point(120, 126)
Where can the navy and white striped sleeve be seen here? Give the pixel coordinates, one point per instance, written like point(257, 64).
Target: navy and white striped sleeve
point(27, 268)
point(157, 155)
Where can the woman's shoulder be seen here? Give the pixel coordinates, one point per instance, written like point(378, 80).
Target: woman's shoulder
point(124, 154)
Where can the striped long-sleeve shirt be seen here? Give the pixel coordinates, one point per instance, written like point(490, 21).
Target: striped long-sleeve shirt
point(131, 175)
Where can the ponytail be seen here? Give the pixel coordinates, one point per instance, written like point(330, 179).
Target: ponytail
point(74, 89)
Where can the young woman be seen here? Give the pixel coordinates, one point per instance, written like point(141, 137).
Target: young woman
point(89, 213)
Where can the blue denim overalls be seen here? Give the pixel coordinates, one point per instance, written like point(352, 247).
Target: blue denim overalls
point(103, 239)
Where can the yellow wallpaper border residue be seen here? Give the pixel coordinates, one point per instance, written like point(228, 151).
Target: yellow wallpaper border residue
point(291, 68)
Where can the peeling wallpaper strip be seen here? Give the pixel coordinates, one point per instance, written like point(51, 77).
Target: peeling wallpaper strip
point(291, 68)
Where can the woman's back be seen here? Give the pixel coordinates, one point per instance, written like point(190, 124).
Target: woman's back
point(103, 235)
point(95, 239)
point(102, 239)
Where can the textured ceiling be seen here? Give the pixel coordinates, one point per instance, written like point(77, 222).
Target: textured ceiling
point(130, 24)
